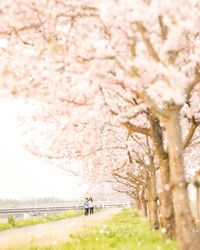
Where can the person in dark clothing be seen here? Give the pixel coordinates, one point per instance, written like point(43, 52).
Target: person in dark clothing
point(91, 206)
point(86, 206)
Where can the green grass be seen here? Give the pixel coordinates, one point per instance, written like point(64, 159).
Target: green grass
point(125, 231)
point(37, 220)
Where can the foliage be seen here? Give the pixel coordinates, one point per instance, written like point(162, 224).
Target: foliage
point(126, 231)
point(11, 220)
point(31, 201)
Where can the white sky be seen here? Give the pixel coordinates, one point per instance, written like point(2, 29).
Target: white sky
point(21, 174)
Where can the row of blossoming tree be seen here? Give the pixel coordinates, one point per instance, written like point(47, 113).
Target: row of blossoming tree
point(117, 83)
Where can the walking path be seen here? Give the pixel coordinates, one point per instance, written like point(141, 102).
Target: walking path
point(51, 233)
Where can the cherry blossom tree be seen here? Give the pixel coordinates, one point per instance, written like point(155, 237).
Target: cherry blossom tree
point(62, 52)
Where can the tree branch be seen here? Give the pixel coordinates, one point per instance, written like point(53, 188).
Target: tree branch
point(163, 28)
point(147, 42)
point(192, 85)
point(133, 128)
point(151, 104)
point(191, 132)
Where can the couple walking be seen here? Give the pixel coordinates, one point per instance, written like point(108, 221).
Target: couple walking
point(88, 206)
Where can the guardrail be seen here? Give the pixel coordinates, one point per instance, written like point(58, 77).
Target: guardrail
point(45, 209)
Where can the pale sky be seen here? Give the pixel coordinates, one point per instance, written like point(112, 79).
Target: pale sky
point(23, 175)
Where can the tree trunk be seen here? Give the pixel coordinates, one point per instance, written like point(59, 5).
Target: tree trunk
point(151, 195)
point(143, 202)
point(197, 186)
point(137, 198)
point(187, 235)
point(167, 220)
point(138, 203)
point(144, 207)
point(153, 205)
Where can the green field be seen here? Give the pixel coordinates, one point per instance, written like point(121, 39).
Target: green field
point(13, 223)
point(125, 231)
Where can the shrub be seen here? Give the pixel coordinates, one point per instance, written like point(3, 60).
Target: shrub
point(11, 220)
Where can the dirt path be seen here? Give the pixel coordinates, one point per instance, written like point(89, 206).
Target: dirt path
point(50, 233)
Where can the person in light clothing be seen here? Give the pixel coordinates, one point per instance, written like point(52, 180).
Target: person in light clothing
point(86, 206)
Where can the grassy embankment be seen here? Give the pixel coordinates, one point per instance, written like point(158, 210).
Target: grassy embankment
point(125, 231)
point(14, 223)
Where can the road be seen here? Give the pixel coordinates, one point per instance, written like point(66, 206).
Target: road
point(51, 233)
